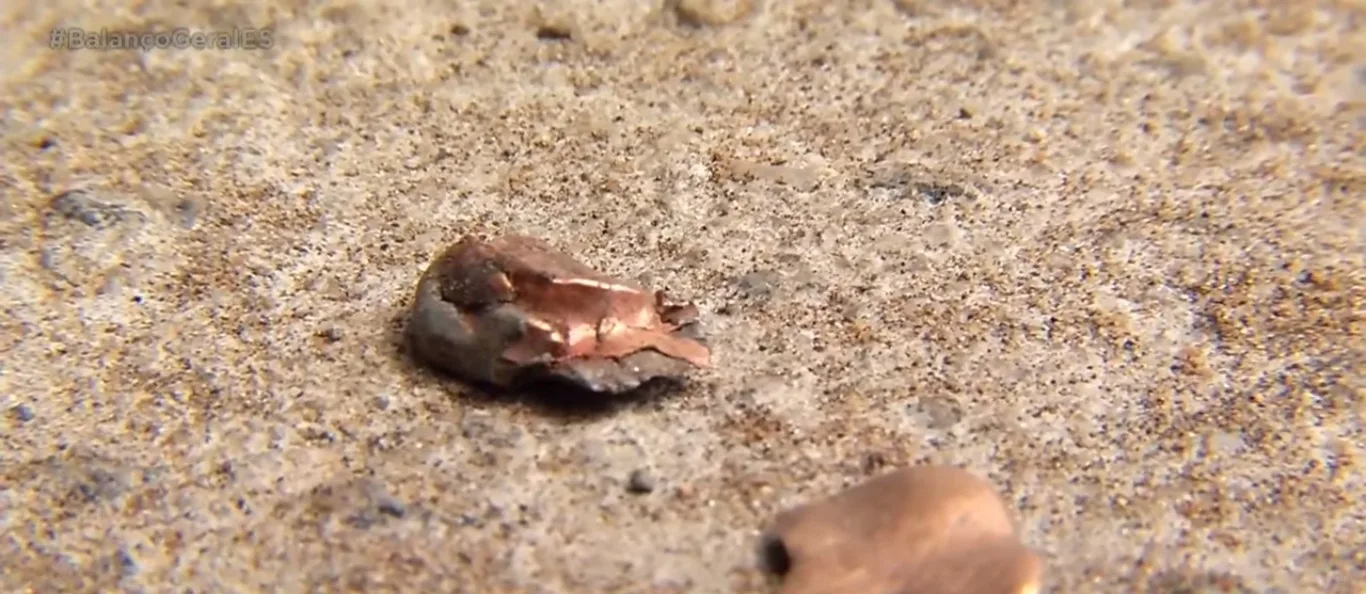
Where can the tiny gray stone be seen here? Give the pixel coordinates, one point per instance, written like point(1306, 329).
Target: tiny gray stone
point(330, 334)
point(82, 207)
point(23, 413)
point(936, 193)
point(475, 426)
point(127, 564)
point(47, 259)
point(758, 284)
point(907, 181)
point(943, 412)
point(641, 481)
point(99, 485)
point(392, 508)
point(189, 210)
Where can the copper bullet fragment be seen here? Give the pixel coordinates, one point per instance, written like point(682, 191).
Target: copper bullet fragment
point(513, 309)
point(919, 530)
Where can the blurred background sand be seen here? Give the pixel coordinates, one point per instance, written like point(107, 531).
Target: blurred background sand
point(1106, 254)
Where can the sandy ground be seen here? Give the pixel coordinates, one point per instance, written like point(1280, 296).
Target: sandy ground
point(1107, 254)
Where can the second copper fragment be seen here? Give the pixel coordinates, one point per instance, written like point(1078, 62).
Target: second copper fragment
point(919, 530)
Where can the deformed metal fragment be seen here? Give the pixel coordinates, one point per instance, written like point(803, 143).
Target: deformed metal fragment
point(513, 309)
point(919, 530)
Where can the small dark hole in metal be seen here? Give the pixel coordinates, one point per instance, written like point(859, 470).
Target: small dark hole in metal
point(775, 558)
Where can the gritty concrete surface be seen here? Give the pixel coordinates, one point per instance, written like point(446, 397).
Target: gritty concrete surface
point(1106, 254)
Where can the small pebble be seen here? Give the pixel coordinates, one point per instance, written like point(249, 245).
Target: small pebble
point(392, 508)
point(937, 193)
point(686, 492)
point(79, 206)
point(189, 210)
point(712, 13)
point(943, 412)
point(641, 481)
point(22, 412)
point(330, 334)
point(554, 25)
point(554, 32)
point(127, 564)
point(758, 284)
